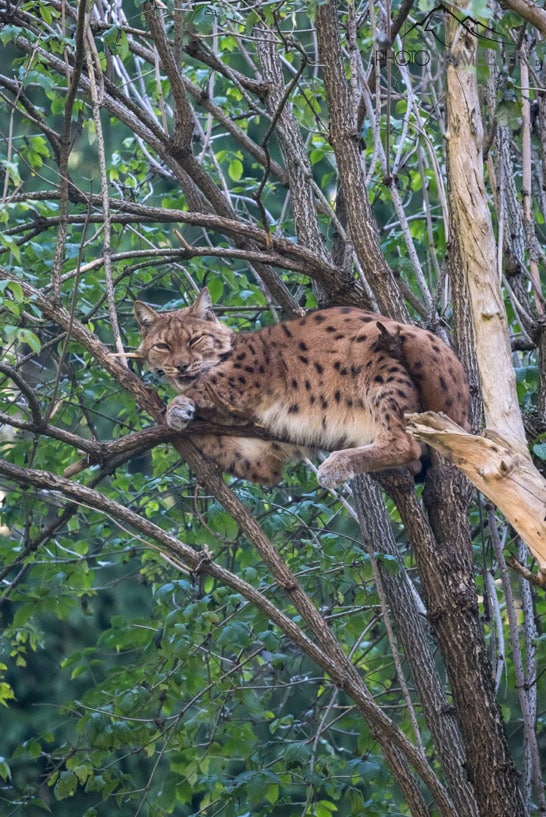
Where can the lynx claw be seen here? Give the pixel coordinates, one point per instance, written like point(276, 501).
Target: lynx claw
point(334, 471)
point(180, 412)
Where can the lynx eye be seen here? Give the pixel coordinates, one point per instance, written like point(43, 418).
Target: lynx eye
point(196, 340)
point(161, 347)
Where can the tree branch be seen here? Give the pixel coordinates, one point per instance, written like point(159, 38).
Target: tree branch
point(528, 11)
point(472, 223)
point(500, 468)
point(345, 141)
point(346, 291)
point(412, 628)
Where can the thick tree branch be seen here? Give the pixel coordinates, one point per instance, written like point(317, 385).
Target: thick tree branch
point(304, 260)
point(345, 141)
point(442, 546)
point(114, 453)
point(500, 468)
point(472, 223)
point(529, 11)
point(183, 114)
point(412, 628)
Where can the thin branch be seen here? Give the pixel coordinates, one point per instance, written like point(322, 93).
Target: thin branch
point(65, 149)
point(526, 162)
point(93, 70)
point(26, 391)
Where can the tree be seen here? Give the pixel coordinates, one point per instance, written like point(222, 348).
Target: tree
point(208, 647)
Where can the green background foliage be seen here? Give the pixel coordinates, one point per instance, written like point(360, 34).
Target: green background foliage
point(130, 684)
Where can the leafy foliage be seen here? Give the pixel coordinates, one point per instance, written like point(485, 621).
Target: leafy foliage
point(129, 681)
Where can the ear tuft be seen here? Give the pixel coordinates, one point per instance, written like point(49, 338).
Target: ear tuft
point(202, 308)
point(145, 315)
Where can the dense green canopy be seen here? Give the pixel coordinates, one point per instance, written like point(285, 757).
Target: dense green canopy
point(175, 641)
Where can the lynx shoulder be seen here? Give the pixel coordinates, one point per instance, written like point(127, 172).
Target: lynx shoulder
point(338, 379)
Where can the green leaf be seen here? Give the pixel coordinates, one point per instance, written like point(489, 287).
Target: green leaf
point(116, 39)
point(29, 338)
point(66, 785)
point(235, 170)
point(5, 771)
point(6, 693)
point(325, 808)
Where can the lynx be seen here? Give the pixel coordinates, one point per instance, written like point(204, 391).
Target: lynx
point(338, 379)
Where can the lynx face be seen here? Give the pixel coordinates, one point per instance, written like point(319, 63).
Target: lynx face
point(182, 346)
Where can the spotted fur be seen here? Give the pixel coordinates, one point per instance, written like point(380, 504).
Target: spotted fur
point(338, 379)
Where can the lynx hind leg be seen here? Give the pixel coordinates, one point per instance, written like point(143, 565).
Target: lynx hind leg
point(248, 458)
point(392, 446)
point(385, 452)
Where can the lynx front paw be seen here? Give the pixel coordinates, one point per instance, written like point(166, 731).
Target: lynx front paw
point(335, 470)
point(179, 412)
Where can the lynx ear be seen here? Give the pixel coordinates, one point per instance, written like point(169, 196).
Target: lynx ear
point(202, 308)
point(145, 315)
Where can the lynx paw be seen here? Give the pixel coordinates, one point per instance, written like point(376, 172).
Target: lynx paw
point(335, 470)
point(179, 412)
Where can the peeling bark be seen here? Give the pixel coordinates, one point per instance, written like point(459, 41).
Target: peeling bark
point(499, 467)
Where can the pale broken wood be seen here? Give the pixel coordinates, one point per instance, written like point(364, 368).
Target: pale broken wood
point(499, 467)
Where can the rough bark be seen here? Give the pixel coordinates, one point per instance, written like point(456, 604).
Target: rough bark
point(443, 551)
point(345, 141)
point(415, 637)
point(294, 152)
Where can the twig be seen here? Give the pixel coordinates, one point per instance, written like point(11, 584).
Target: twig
point(526, 190)
point(94, 69)
point(73, 80)
point(24, 388)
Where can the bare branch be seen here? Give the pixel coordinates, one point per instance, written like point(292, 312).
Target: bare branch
point(499, 467)
point(474, 229)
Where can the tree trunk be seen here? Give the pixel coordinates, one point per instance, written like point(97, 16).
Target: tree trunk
point(471, 228)
point(415, 637)
point(444, 558)
point(345, 141)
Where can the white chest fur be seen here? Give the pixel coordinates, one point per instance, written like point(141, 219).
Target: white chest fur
point(321, 428)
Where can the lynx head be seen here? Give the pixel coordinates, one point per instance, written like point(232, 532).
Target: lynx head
point(184, 344)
